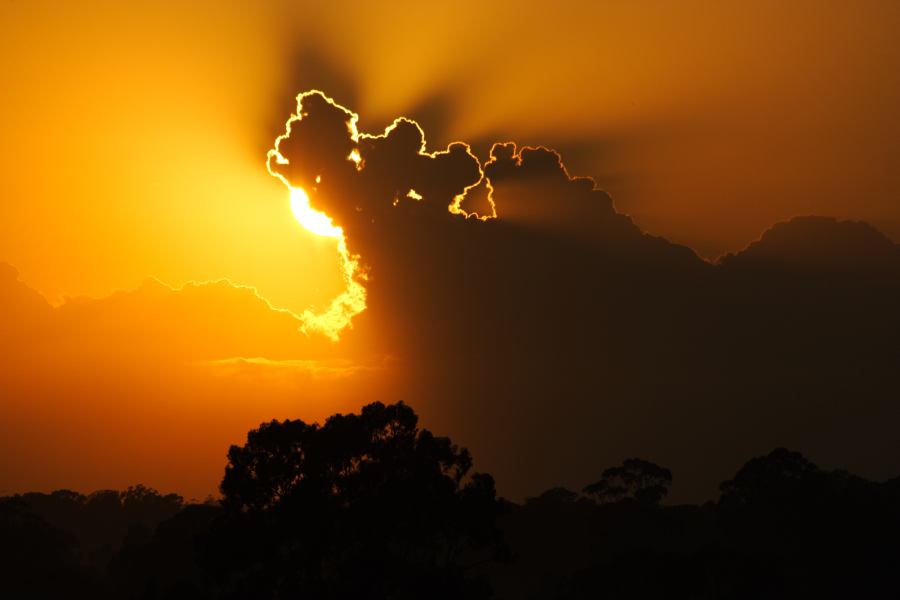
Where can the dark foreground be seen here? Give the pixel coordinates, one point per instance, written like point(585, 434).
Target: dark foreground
point(371, 506)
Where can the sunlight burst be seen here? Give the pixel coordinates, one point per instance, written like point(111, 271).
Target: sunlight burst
point(352, 300)
point(312, 220)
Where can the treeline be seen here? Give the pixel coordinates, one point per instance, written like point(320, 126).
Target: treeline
point(372, 506)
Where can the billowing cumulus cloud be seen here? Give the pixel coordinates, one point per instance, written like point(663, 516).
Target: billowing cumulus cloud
point(558, 337)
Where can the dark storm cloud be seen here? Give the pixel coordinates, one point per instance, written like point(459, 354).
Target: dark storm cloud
point(308, 67)
point(316, 155)
point(558, 338)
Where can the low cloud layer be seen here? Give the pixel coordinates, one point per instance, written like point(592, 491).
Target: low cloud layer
point(153, 384)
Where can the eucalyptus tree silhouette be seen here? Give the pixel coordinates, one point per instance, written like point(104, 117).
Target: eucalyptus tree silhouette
point(365, 505)
point(639, 480)
point(38, 560)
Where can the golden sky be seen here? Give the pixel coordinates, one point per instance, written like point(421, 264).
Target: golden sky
point(133, 135)
point(134, 140)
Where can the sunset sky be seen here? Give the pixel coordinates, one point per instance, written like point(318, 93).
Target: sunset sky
point(156, 279)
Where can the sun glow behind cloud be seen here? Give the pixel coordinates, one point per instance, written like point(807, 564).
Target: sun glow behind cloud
point(352, 300)
point(312, 220)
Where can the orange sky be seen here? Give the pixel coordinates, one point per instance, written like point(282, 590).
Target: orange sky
point(135, 136)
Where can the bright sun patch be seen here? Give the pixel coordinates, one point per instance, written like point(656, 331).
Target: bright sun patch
point(312, 220)
point(352, 300)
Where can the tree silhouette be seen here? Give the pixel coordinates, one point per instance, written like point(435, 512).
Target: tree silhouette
point(781, 476)
point(38, 560)
point(165, 565)
point(371, 506)
point(638, 480)
point(102, 521)
point(364, 505)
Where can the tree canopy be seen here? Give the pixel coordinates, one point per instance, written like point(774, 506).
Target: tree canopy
point(369, 497)
point(636, 479)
